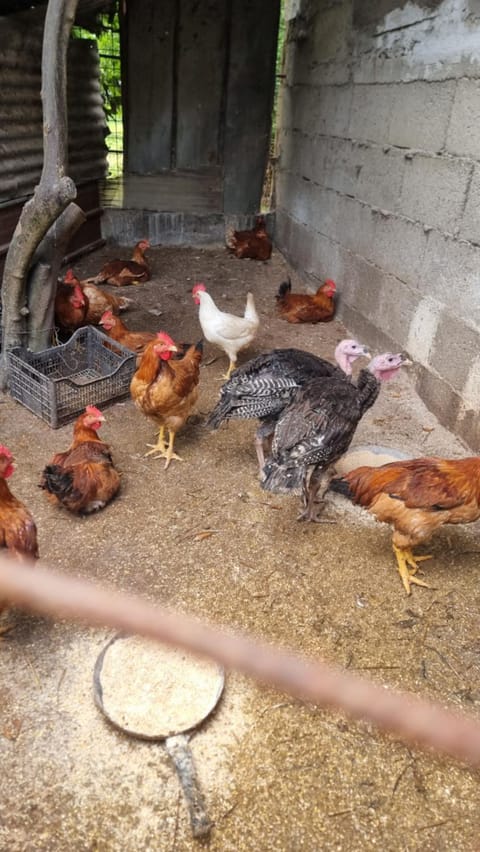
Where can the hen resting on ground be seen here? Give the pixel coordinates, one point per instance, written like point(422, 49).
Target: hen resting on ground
point(303, 307)
point(166, 389)
point(255, 243)
point(136, 341)
point(18, 533)
point(317, 428)
point(97, 300)
point(264, 386)
point(229, 332)
point(416, 497)
point(120, 273)
point(71, 306)
point(82, 479)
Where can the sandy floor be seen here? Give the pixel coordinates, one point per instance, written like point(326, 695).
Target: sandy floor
point(276, 775)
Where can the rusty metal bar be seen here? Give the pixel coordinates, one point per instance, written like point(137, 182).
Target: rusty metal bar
point(413, 719)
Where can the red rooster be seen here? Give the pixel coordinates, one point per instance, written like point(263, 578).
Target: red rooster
point(416, 497)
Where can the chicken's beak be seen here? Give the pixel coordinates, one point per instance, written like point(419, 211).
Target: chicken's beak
point(366, 353)
point(172, 348)
point(406, 360)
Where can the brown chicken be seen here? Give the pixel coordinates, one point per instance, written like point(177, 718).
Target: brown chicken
point(254, 243)
point(71, 306)
point(302, 307)
point(120, 273)
point(166, 389)
point(136, 341)
point(416, 497)
point(82, 479)
point(18, 533)
point(97, 300)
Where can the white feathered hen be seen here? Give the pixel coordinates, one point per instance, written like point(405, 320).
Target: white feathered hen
point(229, 332)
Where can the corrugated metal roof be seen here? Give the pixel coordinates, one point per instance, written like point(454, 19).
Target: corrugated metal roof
point(9, 7)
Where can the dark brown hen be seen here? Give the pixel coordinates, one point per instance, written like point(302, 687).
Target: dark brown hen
point(83, 479)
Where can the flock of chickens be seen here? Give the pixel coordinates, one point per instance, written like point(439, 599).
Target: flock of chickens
point(307, 407)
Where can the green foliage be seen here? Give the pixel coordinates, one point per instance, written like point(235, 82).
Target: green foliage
point(107, 37)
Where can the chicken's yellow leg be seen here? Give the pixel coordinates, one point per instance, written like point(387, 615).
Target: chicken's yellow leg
point(169, 454)
point(405, 558)
point(231, 367)
point(160, 446)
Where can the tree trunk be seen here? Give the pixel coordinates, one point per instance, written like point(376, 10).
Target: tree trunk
point(46, 264)
point(52, 195)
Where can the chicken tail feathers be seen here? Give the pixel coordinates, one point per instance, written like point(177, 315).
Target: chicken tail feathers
point(58, 482)
point(219, 414)
point(282, 479)
point(341, 486)
point(230, 240)
point(283, 290)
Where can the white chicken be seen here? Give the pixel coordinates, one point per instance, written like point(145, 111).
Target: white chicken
point(229, 332)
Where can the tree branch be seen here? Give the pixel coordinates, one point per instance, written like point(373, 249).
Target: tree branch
point(55, 190)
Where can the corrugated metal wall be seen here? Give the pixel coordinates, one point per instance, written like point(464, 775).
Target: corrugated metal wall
point(21, 137)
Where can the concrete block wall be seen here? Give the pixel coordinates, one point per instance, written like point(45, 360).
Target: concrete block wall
point(378, 181)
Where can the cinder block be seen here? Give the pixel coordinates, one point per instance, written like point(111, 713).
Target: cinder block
point(434, 189)
point(379, 176)
point(418, 66)
point(384, 301)
point(421, 114)
point(341, 170)
point(364, 330)
point(310, 204)
point(470, 226)
point(397, 305)
point(422, 331)
point(371, 113)
point(334, 104)
point(439, 397)
point(464, 127)
point(467, 427)
point(309, 157)
point(451, 274)
point(455, 349)
point(295, 240)
point(323, 55)
point(325, 261)
point(355, 226)
point(398, 246)
point(471, 388)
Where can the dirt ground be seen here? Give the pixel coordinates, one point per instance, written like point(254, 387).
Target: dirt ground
point(277, 775)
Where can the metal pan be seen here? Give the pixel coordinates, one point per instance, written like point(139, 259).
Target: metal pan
point(154, 693)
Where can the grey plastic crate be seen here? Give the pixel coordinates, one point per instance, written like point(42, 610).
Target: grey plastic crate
point(57, 384)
